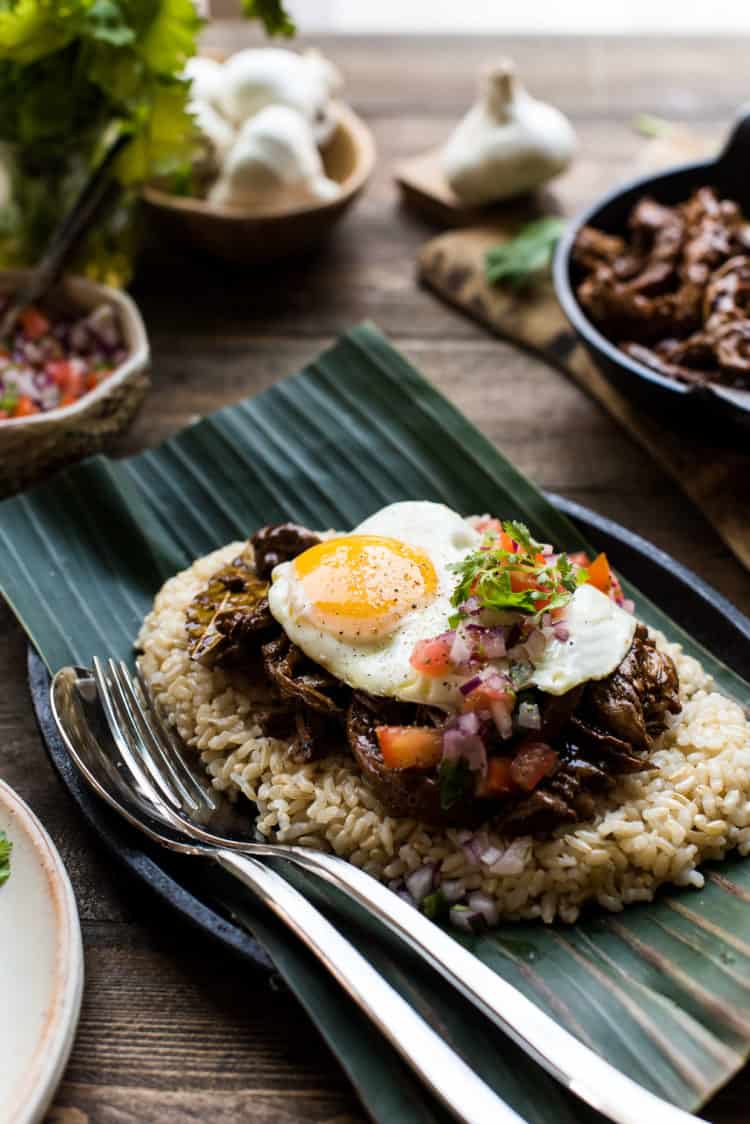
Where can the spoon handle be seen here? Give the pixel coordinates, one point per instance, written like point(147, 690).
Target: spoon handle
point(98, 187)
point(443, 1071)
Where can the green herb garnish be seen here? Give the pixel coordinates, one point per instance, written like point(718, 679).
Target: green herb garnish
point(519, 580)
point(5, 849)
point(454, 778)
point(434, 905)
point(521, 260)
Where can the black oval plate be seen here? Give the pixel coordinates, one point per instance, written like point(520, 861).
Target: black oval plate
point(703, 612)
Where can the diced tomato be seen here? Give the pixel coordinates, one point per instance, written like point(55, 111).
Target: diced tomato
point(534, 759)
point(430, 657)
point(68, 399)
point(93, 378)
point(600, 574)
point(483, 696)
point(580, 558)
point(58, 370)
point(520, 581)
point(34, 323)
point(24, 407)
point(498, 780)
point(405, 747)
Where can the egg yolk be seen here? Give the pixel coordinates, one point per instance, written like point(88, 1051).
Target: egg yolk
point(358, 587)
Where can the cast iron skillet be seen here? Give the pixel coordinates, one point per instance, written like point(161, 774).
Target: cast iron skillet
point(703, 612)
point(711, 406)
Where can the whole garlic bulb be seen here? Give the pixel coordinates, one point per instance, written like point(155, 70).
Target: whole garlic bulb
point(215, 128)
point(255, 78)
point(508, 143)
point(273, 165)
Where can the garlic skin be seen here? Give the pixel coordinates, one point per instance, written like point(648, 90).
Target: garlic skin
point(273, 165)
point(507, 144)
point(259, 77)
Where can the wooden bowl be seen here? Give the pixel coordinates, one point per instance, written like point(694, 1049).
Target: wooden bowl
point(33, 446)
point(348, 158)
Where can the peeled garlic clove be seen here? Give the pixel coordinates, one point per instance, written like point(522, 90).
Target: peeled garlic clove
point(256, 78)
point(206, 77)
point(274, 164)
point(215, 128)
point(507, 144)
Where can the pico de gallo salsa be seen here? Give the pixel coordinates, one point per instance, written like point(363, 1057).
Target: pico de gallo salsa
point(47, 363)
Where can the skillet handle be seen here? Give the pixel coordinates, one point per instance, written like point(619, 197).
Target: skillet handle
point(733, 164)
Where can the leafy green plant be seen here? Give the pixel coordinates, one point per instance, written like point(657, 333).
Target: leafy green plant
point(74, 73)
point(524, 258)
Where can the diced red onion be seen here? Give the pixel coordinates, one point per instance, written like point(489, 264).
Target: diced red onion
point(529, 716)
point(562, 633)
point(453, 889)
point(502, 718)
point(535, 645)
point(420, 882)
point(490, 855)
point(471, 748)
point(468, 723)
point(470, 685)
point(483, 904)
point(406, 897)
point(469, 920)
point(628, 605)
point(471, 606)
point(513, 860)
point(546, 549)
point(460, 652)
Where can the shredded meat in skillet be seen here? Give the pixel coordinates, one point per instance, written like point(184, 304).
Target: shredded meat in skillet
point(599, 731)
point(675, 294)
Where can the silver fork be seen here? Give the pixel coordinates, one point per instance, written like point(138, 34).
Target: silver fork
point(152, 749)
point(142, 774)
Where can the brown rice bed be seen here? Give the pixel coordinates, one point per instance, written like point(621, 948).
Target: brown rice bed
point(655, 828)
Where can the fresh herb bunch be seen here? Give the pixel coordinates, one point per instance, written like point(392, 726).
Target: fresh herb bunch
point(524, 258)
point(74, 74)
point(510, 573)
point(5, 849)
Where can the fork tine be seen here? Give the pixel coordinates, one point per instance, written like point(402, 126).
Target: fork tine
point(150, 748)
point(121, 694)
point(168, 745)
point(124, 743)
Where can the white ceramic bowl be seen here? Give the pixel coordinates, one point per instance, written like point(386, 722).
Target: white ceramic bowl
point(41, 966)
point(32, 446)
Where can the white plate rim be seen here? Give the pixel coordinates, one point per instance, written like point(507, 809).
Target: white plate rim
point(34, 1093)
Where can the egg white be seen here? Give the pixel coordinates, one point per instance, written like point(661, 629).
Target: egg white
point(381, 666)
point(600, 634)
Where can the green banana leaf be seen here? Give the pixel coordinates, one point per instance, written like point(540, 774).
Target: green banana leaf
point(662, 990)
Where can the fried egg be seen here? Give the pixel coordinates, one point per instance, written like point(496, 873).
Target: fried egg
point(599, 636)
point(358, 603)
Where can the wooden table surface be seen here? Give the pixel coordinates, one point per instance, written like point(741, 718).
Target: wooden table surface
point(172, 1029)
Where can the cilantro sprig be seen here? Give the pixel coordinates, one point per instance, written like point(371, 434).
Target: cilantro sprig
point(5, 849)
point(520, 579)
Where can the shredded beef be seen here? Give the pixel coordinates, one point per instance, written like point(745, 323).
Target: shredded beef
point(280, 542)
point(675, 295)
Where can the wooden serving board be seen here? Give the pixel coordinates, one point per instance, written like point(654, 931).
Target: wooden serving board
point(716, 478)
